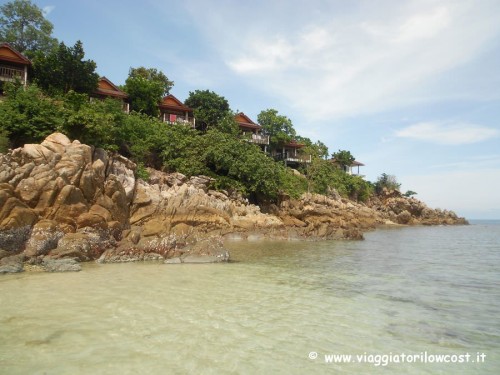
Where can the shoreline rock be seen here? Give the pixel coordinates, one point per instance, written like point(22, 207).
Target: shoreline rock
point(63, 200)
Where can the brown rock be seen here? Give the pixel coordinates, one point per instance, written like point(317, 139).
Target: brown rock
point(56, 142)
point(44, 237)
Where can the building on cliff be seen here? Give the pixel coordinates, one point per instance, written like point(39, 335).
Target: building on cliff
point(107, 89)
point(291, 153)
point(251, 130)
point(13, 65)
point(350, 169)
point(173, 111)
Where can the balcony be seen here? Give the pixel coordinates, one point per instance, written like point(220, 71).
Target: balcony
point(10, 74)
point(291, 158)
point(259, 139)
point(180, 121)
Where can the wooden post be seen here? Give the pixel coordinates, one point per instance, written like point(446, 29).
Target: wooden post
point(25, 75)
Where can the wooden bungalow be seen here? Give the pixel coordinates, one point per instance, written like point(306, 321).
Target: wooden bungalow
point(251, 130)
point(173, 111)
point(350, 169)
point(13, 64)
point(106, 89)
point(290, 153)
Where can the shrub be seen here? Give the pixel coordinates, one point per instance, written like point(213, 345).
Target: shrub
point(27, 115)
point(386, 181)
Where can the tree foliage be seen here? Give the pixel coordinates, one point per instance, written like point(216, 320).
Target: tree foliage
point(28, 115)
point(317, 149)
point(343, 158)
point(209, 108)
point(92, 122)
point(153, 75)
point(4, 139)
point(24, 26)
point(146, 87)
point(278, 127)
point(324, 177)
point(410, 193)
point(64, 69)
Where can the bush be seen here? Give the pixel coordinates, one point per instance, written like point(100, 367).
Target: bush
point(409, 193)
point(324, 176)
point(93, 122)
point(386, 181)
point(27, 115)
point(4, 140)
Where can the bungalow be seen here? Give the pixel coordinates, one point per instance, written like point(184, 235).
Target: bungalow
point(173, 111)
point(349, 169)
point(291, 154)
point(251, 130)
point(13, 65)
point(106, 89)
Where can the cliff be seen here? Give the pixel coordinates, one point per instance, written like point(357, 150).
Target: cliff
point(64, 202)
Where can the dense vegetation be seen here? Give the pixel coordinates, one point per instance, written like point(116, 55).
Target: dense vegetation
point(29, 115)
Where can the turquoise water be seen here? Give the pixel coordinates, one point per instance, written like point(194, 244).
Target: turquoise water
point(407, 291)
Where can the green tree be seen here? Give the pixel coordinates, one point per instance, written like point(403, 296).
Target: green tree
point(410, 193)
point(24, 26)
point(228, 124)
point(317, 149)
point(146, 87)
point(209, 108)
point(154, 75)
point(95, 123)
point(239, 165)
point(278, 127)
point(64, 69)
point(343, 158)
point(325, 176)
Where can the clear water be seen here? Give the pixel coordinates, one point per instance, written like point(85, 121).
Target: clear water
point(401, 291)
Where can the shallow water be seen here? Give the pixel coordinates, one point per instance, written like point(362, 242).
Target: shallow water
point(401, 291)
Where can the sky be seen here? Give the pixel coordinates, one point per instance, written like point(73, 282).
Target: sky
point(411, 88)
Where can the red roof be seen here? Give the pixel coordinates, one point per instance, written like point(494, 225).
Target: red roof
point(355, 163)
point(245, 121)
point(171, 102)
point(9, 53)
point(294, 144)
point(107, 88)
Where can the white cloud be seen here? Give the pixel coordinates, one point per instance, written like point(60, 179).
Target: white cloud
point(448, 133)
point(46, 10)
point(267, 56)
point(425, 25)
point(326, 61)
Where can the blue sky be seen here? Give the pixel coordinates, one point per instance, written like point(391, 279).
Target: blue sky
point(411, 88)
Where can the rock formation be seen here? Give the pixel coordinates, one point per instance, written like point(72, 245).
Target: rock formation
point(64, 202)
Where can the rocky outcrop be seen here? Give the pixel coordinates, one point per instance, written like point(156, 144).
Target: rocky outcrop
point(63, 202)
point(392, 206)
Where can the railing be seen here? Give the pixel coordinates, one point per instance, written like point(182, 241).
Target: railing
point(10, 74)
point(181, 121)
point(259, 139)
point(293, 158)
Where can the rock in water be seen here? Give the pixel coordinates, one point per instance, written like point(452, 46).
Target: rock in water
point(61, 265)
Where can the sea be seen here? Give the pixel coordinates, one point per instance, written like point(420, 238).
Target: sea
point(406, 300)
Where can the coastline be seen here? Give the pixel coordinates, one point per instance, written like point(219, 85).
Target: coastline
point(65, 202)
